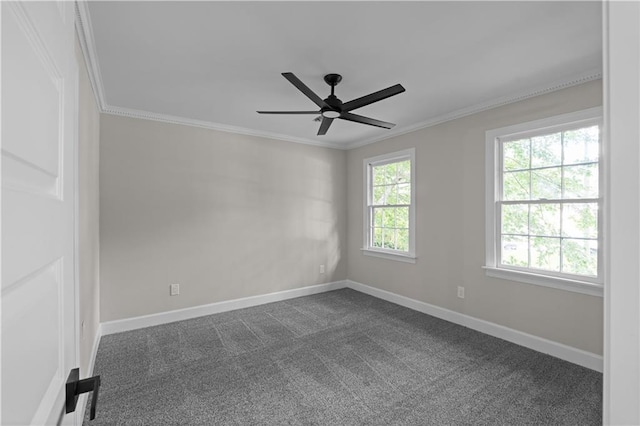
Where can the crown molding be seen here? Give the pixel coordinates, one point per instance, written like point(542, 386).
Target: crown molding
point(575, 80)
point(463, 112)
point(172, 119)
point(84, 30)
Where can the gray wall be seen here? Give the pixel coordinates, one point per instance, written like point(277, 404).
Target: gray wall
point(450, 213)
point(224, 215)
point(89, 212)
point(230, 216)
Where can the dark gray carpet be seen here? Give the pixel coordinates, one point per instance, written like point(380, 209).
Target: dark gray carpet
point(337, 358)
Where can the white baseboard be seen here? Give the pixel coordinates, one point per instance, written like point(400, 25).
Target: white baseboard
point(82, 400)
point(127, 324)
point(558, 350)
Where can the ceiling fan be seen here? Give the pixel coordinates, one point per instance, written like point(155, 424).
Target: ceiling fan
point(332, 107)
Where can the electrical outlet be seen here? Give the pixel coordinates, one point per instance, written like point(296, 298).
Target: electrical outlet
point(174, 289)
point(461, 292)
point(322, 269)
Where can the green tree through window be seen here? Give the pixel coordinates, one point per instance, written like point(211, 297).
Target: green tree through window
point(390, 205)
point(549, 200)
point(391, 201)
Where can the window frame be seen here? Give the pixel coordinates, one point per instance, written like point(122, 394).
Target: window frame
point(559, 280)
point(367, 247)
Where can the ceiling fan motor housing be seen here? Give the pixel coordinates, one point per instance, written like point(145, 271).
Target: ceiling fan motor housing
point(334, 104)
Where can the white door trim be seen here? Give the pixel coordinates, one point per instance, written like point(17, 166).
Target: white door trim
point(621, 91)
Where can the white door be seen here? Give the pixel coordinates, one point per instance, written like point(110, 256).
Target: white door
point(39, 89)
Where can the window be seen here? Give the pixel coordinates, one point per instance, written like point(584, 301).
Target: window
point(390, 206)
point(544, 202)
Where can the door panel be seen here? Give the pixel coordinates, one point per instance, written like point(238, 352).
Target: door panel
point(35, 111)
point(33, 242)
point(28, 312)
point(39, 89)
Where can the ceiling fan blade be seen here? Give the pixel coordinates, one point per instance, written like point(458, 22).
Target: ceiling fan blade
point(304, 89)
point(365, 120)
point(288, 112)
point(324, 126)
point(373, 97)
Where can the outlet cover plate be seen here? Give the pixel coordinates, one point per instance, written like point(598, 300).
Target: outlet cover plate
point(174, 289)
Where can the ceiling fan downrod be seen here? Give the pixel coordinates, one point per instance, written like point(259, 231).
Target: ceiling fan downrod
point(332, 80)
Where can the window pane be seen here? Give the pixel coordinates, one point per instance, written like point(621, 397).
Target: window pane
point(404, 171)
point(544, 220)
point(391, 173)
point(545, 253)
point(546, 150)
point(378, 217)
point(378, 237)
point(389, 239)
point(402, 217)
point(379, 196)
point(394, 212)
point(515, 219)
point(389, 220)
point(378, 175)
point(580, 220)
point(580, 257)
point(546, 183)
point(515, 155)
point(581, 145)
point(392, 194)
point(403, 239)
point(581, 181)
point(515, 250)
point(516, 186)
point(404, 193)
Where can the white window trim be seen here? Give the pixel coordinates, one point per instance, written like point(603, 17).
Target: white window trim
point(577, 284)
point(410, 256)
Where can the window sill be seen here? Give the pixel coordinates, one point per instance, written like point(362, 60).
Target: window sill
point(407, 258)
point(566, 284)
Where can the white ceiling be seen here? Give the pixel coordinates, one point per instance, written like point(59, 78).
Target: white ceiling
point(214, 64)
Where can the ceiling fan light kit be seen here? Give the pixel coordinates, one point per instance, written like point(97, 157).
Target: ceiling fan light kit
point(330, 113)
point(332, 107)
